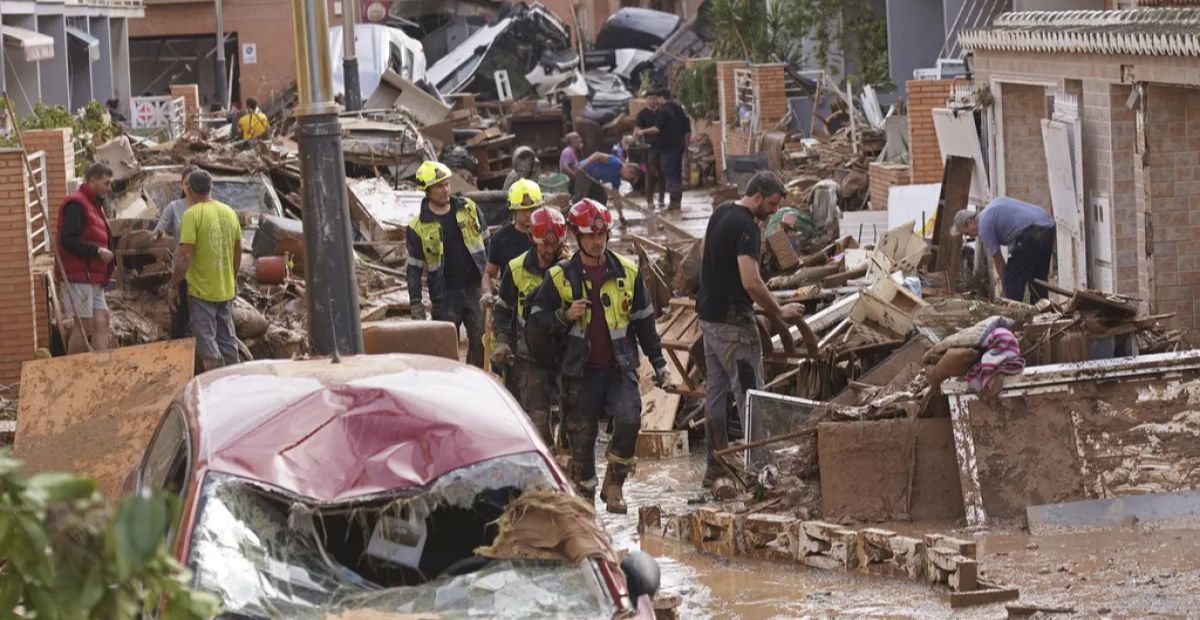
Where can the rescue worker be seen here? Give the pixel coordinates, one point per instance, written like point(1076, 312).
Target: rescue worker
point(512, 240)
point(531, 381)
point(253, 123)
point(597, 303)
point(446, 241)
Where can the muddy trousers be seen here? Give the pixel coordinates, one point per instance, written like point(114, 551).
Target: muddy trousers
point(734, 360)
point(533, 387)
point(672, 167)
point(216, 339)
point(601, 391)
point(655, 182)
point(461, 307)
point(180, 319)
point(1029, 260)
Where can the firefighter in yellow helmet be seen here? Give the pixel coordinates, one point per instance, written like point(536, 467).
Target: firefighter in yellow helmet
point(447, 241)
point(512, 240)
point(533, 381)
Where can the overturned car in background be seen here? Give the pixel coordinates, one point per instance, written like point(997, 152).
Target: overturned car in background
point(399, 484)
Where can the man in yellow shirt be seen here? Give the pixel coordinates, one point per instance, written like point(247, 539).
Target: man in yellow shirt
point(253, 123)
point(210, 254)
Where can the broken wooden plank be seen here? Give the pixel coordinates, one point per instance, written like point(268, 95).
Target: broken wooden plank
point(661, 444)
point(955, 194)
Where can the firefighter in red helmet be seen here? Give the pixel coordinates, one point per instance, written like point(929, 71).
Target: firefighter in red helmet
point(532, 380)
point(597, 302)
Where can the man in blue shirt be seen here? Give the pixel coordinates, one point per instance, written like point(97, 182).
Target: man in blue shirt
point(1026, 229)
point(609, 169)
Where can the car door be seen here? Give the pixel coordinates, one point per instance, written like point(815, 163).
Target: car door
point(167, 463)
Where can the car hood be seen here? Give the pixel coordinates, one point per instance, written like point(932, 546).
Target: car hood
point(370, 424)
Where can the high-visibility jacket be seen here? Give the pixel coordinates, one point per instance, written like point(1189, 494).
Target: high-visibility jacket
point(253, 124)
point(521, 277)
point(626, 307)
point(96, 231)
point(425, 250)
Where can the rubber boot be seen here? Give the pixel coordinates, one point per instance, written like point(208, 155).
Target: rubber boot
point(612, 493)
point(585, 488)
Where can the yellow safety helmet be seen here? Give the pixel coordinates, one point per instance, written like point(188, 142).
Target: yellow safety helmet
point(523, 190)
point(431, 173)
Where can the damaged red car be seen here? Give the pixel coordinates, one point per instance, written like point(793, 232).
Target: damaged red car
point(315, 488)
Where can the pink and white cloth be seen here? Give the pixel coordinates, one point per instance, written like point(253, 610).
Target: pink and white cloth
point(1002, 354)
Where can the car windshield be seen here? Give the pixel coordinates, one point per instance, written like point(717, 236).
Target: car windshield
point(246, 195)
point(265, 554)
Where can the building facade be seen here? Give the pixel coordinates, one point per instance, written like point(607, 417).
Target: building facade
point(66, 53)
point(1133, 79)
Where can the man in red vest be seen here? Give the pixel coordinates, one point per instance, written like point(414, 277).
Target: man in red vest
point(85, 249)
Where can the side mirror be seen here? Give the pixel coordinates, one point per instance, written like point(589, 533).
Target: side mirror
point(642, 574)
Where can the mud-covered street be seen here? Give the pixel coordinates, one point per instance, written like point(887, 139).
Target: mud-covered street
point(1135, 571)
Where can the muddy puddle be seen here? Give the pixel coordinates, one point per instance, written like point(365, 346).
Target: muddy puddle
point(1135, 571)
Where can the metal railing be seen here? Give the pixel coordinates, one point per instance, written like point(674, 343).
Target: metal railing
point(36, 210)
point(159, 116)
point(972, 14)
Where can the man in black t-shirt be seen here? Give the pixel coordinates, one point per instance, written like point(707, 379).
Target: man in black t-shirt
point(730, 283)
point(647, 129)
point(512, 240)
point(674, 131)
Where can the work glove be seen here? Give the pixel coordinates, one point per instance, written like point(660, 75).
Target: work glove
point(418, 312)
point(662, 376)
point(502, 355)
point(487, 300)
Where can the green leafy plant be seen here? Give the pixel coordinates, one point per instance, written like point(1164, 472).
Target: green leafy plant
point(697, 88)
point(750, 30)
point(69, 555)
point(87, 130)
point(757, 31)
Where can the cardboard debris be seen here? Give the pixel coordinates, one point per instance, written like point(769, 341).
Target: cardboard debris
point(93, 413)
point(118, 154)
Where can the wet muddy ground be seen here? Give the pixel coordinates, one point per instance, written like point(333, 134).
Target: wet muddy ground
point(1135, 571)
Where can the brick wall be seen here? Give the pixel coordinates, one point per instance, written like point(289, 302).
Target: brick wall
point(923, 97)
point(60, 165)
point(18, 333)
point(769, 85)
point(883, 177)
point(41, 307)
point(772, 95)
point(1025, 176)
point(191, 102)
point(739, 141)
point(1173, 188)
point(1128, 228)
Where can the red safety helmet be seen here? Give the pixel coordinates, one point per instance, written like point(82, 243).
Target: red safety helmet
point(547, 225)
point(588, 216)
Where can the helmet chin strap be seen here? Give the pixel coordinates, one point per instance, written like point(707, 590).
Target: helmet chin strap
point(607, 236)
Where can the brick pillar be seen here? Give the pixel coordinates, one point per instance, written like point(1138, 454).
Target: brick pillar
point(18, 330)
point(725, 89)
point(923, 97)
point(191, 102)
point(60, 165)
point(41, 306)
point(772, 95)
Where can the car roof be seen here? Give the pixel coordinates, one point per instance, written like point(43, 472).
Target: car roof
point(364, 425)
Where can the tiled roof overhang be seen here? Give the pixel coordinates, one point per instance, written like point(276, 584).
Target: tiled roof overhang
point(1142, 32)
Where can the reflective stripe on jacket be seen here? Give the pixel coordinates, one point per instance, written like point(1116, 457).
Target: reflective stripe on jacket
point(425, 251)
point(627, 312)
point(518, 282)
